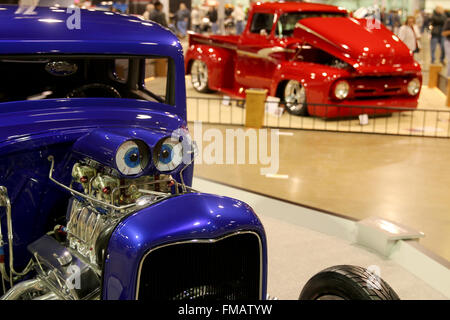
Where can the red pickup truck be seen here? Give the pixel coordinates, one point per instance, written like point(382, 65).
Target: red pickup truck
point(316, 58)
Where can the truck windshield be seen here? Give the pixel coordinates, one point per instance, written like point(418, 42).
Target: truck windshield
point(49, 77)
point(286, 22)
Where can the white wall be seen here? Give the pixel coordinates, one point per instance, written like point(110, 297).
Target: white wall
point(431, 4)
point(353, 5)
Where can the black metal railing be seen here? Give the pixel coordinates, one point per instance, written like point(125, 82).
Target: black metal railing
point(423, 122)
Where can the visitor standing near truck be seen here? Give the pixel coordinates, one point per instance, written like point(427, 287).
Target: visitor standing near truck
point(409, 33)
point(182, 16)
point(212, 15)
point(158, 15)
point(437, 23)
point(239, 16)
point(196, 19)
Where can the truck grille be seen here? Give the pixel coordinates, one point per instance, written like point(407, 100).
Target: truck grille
point(379, 87)
point(224, 269)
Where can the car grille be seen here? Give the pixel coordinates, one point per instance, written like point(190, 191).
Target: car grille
point(228, 268)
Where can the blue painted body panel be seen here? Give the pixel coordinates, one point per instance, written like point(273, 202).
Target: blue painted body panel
point(100, 33)
point(30, 131)
point(189, 216)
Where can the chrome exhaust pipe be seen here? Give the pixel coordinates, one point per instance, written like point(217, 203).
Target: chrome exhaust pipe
point(48, 296)
point(22, 287)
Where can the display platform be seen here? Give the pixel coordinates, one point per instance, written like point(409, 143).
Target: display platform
point(303, 241)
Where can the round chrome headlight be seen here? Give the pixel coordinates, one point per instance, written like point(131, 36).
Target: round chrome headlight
point(341, 89)
point(168, 155)
point(413, 87)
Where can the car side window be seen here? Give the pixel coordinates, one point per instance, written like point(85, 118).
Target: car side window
point(262, 23)
point(121, 67)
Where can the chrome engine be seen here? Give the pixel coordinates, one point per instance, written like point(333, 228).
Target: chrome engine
point(68, 261)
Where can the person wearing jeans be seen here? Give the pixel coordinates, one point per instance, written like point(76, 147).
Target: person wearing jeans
point(212, 15)
point(435, 41)
point(182, 19)
point(437, 23)
point(239, 15)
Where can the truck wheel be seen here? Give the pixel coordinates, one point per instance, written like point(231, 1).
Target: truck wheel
point(294, 96)
point(199, 76)
point(347, 282)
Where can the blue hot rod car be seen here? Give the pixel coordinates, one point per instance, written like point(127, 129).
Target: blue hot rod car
point(94, 186)
point(96, 167)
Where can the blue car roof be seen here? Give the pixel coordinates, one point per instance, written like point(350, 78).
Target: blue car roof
point(100, 32)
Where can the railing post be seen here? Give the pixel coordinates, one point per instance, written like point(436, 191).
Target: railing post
point(255, 107)
point(448, 92)
point(433, 79)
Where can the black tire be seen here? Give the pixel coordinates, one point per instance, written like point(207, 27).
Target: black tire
point(348, 283)
point(294, 107)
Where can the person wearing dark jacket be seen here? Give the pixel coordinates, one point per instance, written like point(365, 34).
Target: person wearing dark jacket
point(158, 15)
point(437, 23)
point(212, 15)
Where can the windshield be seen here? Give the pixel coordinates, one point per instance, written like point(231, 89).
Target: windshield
point(50, 77)
point(287, 21)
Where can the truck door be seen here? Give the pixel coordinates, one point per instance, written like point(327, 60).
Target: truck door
point(254, 65)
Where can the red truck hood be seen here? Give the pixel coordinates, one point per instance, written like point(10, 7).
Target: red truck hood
point(368, 49)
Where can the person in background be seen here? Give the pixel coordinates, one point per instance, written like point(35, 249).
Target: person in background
point(397, 22)
point(383, 15)
point(437, 23)
point(446, 35)
point(158, 15)
point(182, 16)
point(212, 15)
point(196, 19)
point(229, 8)
point(148, 10)
point(426, 22)
point(390, 20)
point(239, 16)
point(409, 33)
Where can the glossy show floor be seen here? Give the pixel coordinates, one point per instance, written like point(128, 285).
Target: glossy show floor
point(297, 252)
point(404, 179)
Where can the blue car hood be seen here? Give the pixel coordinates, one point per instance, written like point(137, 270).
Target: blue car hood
point(62, 120)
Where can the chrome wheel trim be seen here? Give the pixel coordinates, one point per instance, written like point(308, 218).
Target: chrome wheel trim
point(199, 75)
point(294, 96)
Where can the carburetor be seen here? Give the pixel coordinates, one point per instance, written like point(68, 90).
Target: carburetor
point(110, 189)
point(83, 174)
point(104, 187)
